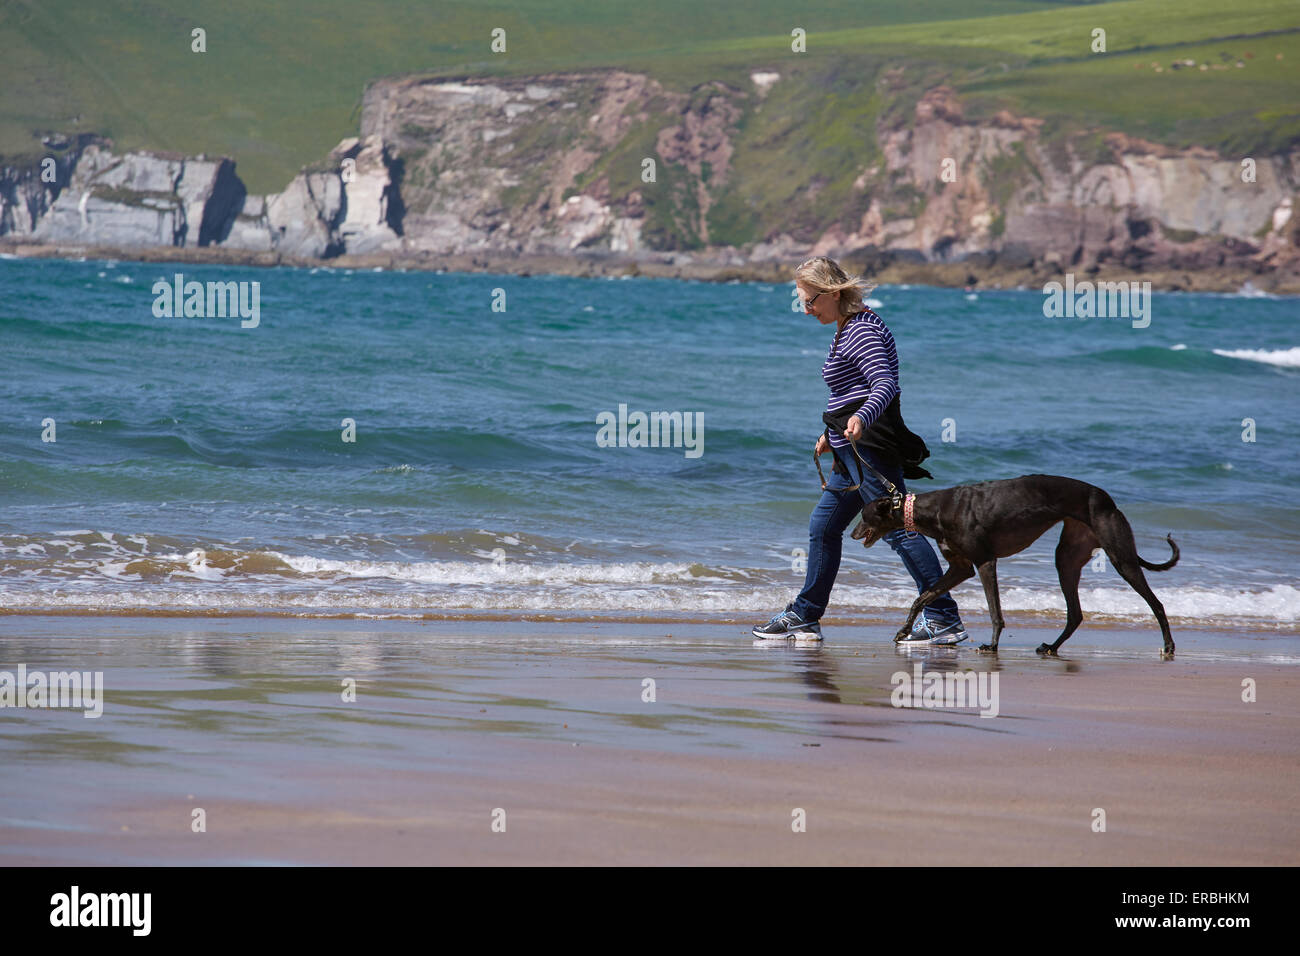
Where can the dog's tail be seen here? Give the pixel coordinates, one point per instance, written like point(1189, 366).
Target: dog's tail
point(1168, 564)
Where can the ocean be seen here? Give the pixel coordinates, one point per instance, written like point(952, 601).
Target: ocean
point(202, 465)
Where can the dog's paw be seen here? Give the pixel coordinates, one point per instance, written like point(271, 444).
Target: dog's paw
point(902, 635)
point(1045, 650)
point(988, 649)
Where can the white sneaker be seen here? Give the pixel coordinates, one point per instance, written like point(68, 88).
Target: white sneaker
point(943, 636)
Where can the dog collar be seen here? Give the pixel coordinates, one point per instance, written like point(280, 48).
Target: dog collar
point(908, 502)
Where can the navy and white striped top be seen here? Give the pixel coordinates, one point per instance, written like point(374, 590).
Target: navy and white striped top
point(863, 366)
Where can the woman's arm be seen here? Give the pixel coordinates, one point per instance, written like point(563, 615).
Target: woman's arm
point(870, 348)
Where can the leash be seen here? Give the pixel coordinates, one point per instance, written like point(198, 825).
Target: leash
point(896, 500)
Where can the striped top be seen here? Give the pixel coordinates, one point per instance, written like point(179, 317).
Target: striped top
point(864, 366)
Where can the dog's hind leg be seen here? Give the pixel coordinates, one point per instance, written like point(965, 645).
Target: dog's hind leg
point(1117, 538)
point(1134, 576)
point(957, 572)
point(1072, 553)
point(989, 578)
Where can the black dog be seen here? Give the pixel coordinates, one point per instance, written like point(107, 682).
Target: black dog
point(974, 525)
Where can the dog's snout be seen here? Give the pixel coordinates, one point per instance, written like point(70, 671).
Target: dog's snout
point(865, 533)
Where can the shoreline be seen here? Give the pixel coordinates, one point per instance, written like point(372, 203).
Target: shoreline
point(1207, 641)
point(977, 621)
point(884, 267)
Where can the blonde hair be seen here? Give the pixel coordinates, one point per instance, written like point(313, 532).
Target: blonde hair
point(825, 275)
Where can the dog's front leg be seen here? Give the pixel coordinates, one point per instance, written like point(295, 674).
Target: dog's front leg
point(956, 573)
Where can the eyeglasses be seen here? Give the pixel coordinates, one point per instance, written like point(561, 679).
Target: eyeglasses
point(808, 304)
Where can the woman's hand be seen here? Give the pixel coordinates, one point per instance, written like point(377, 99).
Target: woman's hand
point(823, 446)
point(853, 430)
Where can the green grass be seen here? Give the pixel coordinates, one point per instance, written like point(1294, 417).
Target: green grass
point(1238, 111)
point(1064, 32)
point(796, 156)
point(1040, 63)
point(281, 82)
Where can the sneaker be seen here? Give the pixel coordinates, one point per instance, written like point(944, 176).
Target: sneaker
point(925, 631)
point(918, 636)
point(788, 624)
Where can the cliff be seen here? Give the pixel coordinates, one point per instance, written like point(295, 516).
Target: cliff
point(610, 164)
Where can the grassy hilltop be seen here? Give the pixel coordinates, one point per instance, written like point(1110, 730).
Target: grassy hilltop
point(281, 82)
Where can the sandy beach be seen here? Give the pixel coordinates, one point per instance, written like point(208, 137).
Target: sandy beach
point(410, 413)
point(455, 721)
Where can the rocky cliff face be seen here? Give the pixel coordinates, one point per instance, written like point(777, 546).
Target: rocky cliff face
point(610, 161)
point(350, 204)
point(146, 200)
point(143, 199)
point(29, 190)
point(486, 166)
point(1124, 199)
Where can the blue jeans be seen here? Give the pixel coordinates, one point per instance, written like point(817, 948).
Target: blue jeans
point(835, 512)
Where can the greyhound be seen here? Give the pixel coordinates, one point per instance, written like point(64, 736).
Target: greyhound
point(974, 525)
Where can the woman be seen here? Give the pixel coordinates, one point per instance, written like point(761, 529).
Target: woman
point(862, 373)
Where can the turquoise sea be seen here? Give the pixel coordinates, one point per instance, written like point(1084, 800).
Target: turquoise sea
point(201, 467)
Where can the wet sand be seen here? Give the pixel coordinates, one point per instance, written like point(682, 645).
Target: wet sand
point(454, 720)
